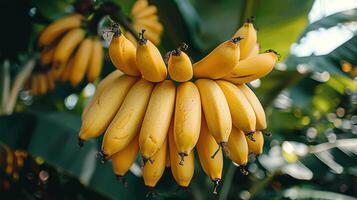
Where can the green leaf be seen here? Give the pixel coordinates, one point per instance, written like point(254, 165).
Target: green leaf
point(299, 193)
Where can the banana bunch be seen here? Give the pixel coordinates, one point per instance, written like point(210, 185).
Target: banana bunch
point(144, 16)
point(72, 54)
point(41, 81)
point(164, 111)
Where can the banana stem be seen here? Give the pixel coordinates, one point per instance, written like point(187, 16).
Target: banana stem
point(250, 135)
point(182, 155)
point(220, 146)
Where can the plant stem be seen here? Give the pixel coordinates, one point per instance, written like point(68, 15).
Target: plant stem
point(5, 85)
point(227, 182)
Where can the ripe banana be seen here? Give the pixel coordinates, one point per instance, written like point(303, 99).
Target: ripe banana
point(254, 51)
point(123, 54)
point(67, 70)
point(261, 123)
point(256, 145)
point(139, 6)
point(46, 56)
point(187, 119)
point(101, 88)
point(243, 116)
point(220, 62)
point(237, 148)
point(181, 173)
point(152, 171)
point(104, 107)
point(96, 61)
point(57, 28)
point(249, 35)
point(206, 147)
point(148, 11)
point(66, 46)
point(149, 61)
point(150, 34)
point(252, 68)
point(50, 80)
point(81, 61)
point(180, 66)
point(126, 122)
point(34, 85)
point(216, 110)
point(153, 25)
point(132, 39)
point(157, 118)
point(122, 160)
point(42, 83)
point(167, 161)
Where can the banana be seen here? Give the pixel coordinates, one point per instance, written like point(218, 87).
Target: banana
point(152, 171)
point(180, 66)
point(101, 88)
point(243, 116)
point(237, 148)
point(256, 145)
point(167, 161)
point(220, 62)
point(96, 61)
point(206, 147)
point(261, 123)
point(51, 81)
point(139, 6)
point(46, 56)
point(153, 25)
point(254, 51)
point(42, 83)
point(81, 61)
point(157, 118)
point(132, 39)
point(66, 72)
point(252, 68)
point(66, 47)
point(149, 61)
point(216, 110)
point(104, 107)
point(181, 173)
point(122, 53)
point(57, 28)
point(148, 11)
point(122, 160)
point(150, 34)
point(126, 122)
point(34, 84)
point(187, 119)
point(249, 35)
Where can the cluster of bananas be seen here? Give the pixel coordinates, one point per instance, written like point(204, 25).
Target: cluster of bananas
point(204, 105)
point(41, 81)
point(70, 51)
point(144, 16)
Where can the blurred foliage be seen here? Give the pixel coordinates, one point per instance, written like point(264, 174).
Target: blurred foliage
point(311, 112)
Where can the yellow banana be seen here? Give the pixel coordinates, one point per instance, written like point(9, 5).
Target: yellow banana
point(153, 25)
point(81, 61)
point(131, 38)
point(243, 116)
point(57, 28)
point(157, 118)
point(123, 54)
point(253, 67)
point(180, 66)
point(206, 147)
point(150, 34)
point(220, 62)
point(66, 46)
point(122, 161)
point(261, 123)
point(149, 61)
point(152, 171)
point(42, 83)
point(187, 119)
point(126, 122)
point(216, 110)
point(34, 84)
point(167, 161)
point(139, 6)
point(66, 72)
point(249, 35)
point(51, 81)
point(256, 144)
point(96, 61)
point(149, 10)
point(254, 51)
point(181, 173)
point(104, 107)
point(101, 88)
point(237, 148)
point(46, 56)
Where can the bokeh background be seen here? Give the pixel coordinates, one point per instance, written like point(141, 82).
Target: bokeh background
point(310, 99)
